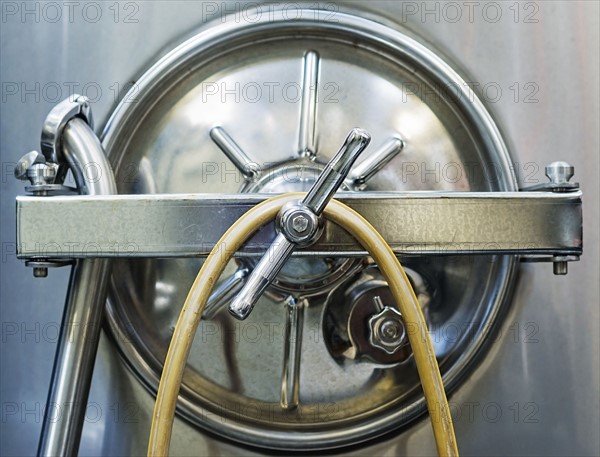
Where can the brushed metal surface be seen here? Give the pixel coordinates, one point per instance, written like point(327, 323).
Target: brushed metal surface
point(536, 393)
point(190, 225)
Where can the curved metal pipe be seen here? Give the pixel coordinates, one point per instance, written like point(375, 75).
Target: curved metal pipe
point(82, 318)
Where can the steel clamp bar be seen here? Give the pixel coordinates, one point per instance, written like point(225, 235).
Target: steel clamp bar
point(436, 223)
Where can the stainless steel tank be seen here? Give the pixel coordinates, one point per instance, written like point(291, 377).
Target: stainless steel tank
point(458, 96)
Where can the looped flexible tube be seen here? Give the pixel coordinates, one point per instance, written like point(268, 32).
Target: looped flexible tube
point(232, 240)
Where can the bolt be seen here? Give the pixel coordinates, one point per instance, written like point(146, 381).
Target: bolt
point(300, 223)
point(41, 173)
point(40, 272)
point(560, 267)
point(559, 172)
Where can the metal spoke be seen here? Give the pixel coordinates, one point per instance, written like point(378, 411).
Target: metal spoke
point(310, 79)
point(290, 378)
point(240, 159)
point(224, 292)
point(374, 162)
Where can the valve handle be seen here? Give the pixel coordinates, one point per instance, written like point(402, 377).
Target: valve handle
point(336, 170)
point(299, 223)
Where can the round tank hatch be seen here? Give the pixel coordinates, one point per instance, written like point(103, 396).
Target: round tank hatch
point(285, 93)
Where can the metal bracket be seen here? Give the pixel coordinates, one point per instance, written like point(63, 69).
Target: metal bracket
point(559, 175)
point(46, 171)
point(540, 224)
point(57, 119)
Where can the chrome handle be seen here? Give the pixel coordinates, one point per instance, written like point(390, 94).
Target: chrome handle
point(336, 170)
point(299, 223)
point(263, 274)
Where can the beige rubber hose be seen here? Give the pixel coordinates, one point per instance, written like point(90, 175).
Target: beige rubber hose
point(232, 240)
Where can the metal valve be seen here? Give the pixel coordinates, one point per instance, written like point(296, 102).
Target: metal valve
point(386, 329)
point(299, 224)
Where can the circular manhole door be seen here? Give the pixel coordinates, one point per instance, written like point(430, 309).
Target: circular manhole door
point(286, 92)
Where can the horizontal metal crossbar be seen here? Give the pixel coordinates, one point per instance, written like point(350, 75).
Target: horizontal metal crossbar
point(413, 223)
